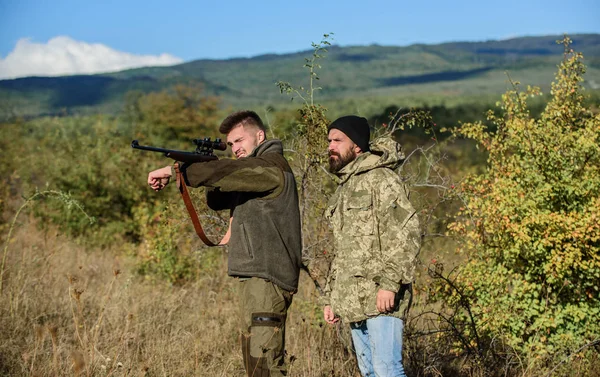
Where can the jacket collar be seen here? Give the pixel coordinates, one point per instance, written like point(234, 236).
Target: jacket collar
point(384, 152)
point(268, 146)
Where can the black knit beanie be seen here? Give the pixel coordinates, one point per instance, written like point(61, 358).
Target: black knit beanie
point(356, 128)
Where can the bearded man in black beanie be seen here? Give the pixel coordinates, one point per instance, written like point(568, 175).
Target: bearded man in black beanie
point(376, 241)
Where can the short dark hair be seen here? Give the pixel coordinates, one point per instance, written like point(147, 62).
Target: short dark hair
point(245, 118)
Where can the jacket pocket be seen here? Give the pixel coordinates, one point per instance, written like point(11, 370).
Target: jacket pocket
point(367, 296)
point(246, 245)
point(358, 217)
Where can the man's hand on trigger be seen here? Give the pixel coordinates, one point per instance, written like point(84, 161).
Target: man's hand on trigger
point(329, 316)
point(385, 301)
point(159, 178)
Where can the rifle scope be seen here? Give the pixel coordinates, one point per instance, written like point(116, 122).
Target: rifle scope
point(206, 143)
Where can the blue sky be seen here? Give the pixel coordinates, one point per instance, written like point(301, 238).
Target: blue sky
point(188, 30)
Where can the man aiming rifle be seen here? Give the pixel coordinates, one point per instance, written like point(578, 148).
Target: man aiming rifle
point(265, 244)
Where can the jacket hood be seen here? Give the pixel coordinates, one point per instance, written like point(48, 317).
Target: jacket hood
point(384, 153)
point(268, 146)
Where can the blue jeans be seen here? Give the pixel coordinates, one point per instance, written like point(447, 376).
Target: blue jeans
point(378, 346)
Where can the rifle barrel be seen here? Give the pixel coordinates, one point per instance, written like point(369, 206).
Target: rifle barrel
point(176, 155)
point(135, 144)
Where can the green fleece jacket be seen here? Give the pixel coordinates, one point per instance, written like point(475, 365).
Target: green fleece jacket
point(260, 191)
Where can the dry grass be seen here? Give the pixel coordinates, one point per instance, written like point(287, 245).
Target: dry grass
point(70, 311)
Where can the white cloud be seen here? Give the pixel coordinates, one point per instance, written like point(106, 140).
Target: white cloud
point(63, 55)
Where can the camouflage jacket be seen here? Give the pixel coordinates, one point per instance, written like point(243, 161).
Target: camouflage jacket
point(376, 235)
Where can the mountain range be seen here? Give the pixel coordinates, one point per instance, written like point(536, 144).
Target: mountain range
point(352, 74)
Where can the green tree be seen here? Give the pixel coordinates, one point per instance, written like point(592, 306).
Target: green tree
point(182, 112)
point(530, 226)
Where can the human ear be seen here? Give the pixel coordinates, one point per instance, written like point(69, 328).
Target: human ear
point(260, 135)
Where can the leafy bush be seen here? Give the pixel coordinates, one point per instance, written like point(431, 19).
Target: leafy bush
point(530, 226)
point(90, 158)
point(178, 113)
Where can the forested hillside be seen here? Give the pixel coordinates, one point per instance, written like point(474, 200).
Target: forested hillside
point(357, 78)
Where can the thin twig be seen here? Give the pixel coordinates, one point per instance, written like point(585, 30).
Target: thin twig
point(592, 343)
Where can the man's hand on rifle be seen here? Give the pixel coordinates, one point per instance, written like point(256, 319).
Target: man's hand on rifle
point(159, 178)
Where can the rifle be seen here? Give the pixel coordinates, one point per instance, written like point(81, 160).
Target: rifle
point(203, 153)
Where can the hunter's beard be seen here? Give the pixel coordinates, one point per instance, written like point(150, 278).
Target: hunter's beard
point(337, 164)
